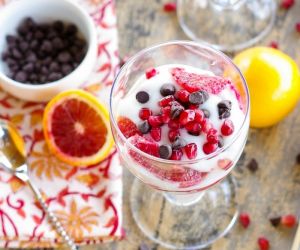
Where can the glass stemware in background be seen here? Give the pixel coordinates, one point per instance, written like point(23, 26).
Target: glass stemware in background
point(227, 25)
point(193, 212)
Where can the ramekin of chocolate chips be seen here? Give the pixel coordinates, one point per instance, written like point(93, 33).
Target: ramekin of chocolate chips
point(41, 53)
point(45, 47)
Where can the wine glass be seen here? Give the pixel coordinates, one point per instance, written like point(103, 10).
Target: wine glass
point(177, 203)
point(227, 25)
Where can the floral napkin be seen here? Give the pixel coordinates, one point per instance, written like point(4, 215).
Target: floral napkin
point(87, 200)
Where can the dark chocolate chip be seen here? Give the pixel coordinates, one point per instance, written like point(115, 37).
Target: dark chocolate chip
point(225, 104)
point(11, 39)
point(54, 67)
point(46, 46)
point(275, 221)
point(16, 54)
point(21, 76)
point(58, 26)
point(167, 89)
point(64, 57)
point(5, 56)
point(44, 70)
point(71, 29)
point(220, 142)
point(142, 97)
point(29, 67)
point(58, 43)
point(23, 29)
point(144, 127)
point(34, 44)
point(30, 23)
point(165, 151)
point(206, 113)
point(23, 46)
point(252, 165)
point(178, 143)
point(66, 69)
point(198, 97)
point(54, 76)
point(224, 108)
point(176, 110)
point(39, 35)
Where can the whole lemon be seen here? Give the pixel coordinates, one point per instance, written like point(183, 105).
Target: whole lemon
point(273, 80)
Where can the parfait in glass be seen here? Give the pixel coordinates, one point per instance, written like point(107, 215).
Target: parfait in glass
point(180, 118)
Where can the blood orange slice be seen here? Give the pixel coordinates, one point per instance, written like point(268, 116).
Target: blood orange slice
point(76, 128)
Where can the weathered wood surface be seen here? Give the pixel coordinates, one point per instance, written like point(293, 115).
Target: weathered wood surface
point(275, 187)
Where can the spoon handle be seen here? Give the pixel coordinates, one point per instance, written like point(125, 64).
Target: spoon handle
point(52, 218)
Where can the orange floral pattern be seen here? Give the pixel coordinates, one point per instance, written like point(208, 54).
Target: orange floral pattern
point(77, 220)
point(87, 199)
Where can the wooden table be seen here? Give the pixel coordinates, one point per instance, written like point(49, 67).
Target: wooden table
point(275, 187)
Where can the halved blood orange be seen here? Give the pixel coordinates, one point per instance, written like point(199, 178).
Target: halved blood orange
point(76, 128)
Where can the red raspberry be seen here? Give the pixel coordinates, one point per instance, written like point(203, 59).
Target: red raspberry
point(206, 125)
point(212, 136)
point(166, 101)
point(263, 243)
point(145, 113)
point(155, 134)
point(182, 95)
point(191, 150)
point(193, 128)
point(174, 124)
point(209, 147)
point(286, 4)
point(186, 116)
point(227, 128)
point(155, 120)
point(176, 154)
point(288, 220)
point(297, 27)
point(150, 73)
point(245, 220)
point(170, 7)
point(173, 134)
point(199, 115)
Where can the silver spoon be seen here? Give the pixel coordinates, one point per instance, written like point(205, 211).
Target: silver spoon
point(13, 160)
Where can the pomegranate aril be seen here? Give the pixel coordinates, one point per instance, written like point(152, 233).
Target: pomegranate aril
point(155, 120)
point(193, 128)
point(170, 6)
point(173, 134)
point(289, 220)
point(176, 154)
point(209, 147)
point(206, 125)
point(263, 243)
point(199, 115)
point(166, 101)
point(227, 128)
point(245, 220)
point(182, 96)
point(165, 114)
point(286, 4)
point(155, 134)
point(274, 45)
point(145, 113)
point(194, 106)
point(174, 124)
point(186, 116)
point(150, 73)
point(297, 27)
point(191, 150)
point(212, 136)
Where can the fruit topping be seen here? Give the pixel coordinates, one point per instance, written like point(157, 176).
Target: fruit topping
point(206, 125)
point(151, 73)
point(165, 151)
point(156, 133)
point(144, 127)
point(145, 145)
point(212, 136)
point(224, 108)
point(289, 220)
point(174, 124)
point(186, 116)
point(244, 220)
point(166, 101)
point(145, 113)
point(199, 115)
point(198, 97)
point(209, 147)
point(252, 165)
point(227, 128)
point(170, 7)
point(167, 89)
point(176, 154)
point(191, 150)
point(142, 97)
point(193, 128)
point(155, 120)
point(263, 243)
point(286, 4)
point(127, 126)
point(173, 134)
point(182, 96)
point(193, 82)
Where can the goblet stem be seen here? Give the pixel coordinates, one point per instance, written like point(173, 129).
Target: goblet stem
point(184, 199)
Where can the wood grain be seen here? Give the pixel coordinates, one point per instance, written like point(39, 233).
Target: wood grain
point(275, 188)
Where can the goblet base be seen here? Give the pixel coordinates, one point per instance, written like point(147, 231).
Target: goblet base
point(193, 226)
